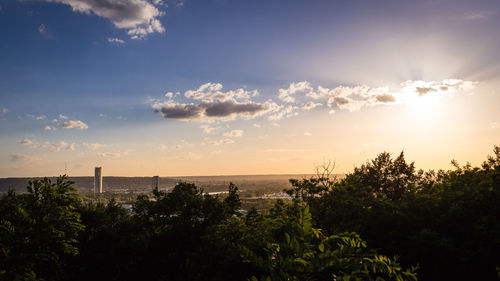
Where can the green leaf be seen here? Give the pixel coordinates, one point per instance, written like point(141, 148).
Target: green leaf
point(321, 247)
point(301, 261)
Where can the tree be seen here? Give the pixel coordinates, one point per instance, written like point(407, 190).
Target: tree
point(446, 221)
point(305, 253)
point(389, 178)
point(232, 201)
point(39, 230)
point(181, 229)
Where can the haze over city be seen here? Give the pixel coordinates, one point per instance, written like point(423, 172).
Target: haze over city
point(176, 88)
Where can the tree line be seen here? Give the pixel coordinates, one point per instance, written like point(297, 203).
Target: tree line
point(384, 221)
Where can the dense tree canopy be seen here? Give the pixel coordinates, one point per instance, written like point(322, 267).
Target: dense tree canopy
point(49, 234)
point(38, 231)
point(445, 223)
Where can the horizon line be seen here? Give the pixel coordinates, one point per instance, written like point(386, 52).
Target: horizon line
point(220, 175)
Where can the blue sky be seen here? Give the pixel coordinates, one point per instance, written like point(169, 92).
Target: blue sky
point(316, 80)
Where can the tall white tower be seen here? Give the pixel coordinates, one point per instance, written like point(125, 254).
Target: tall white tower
point(98, 180)
point(156, 182)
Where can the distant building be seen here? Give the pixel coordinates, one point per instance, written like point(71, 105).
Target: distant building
point(156, 182)
point(98, 180)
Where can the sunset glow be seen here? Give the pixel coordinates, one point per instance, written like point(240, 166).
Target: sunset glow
point(243, 87)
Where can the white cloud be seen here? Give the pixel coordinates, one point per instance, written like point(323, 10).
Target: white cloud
point(71, 147)
point(138, 17)
point(42, 28)
point(233, 134)
point(307, 134)
point(447, 86)
point(287, 112)
point(211, 92)
point(49, 128)
point(350, 98)
point(210, 103)
point(478, 15)
point(25, 142)
point(286, 94)
point(310, 105)
point(213, 104)
point(158, 2)
point(73, 124)
point(109, 154)
point(41, 117)
point(354, 98)
point(256, 125)
point(58, 146)
point(4, 110)
point(207, 129)
point(169, 95)
point(115, 40)
point(208, 141)
point(321, 92)
point(18, 157)
point(49, 146)
point(92, 146)
point(61, 116)
point(495, 125)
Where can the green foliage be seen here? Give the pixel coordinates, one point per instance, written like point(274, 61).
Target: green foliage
point(232, 200)
point(306, 253)
point(444, 221)
point(38, 230)
point(388, 178)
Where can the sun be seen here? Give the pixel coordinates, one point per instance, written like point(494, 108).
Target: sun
point(426, 104)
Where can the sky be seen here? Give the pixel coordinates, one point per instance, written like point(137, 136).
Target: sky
point(221, 87)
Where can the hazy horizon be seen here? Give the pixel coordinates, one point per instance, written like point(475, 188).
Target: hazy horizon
point(174, 176)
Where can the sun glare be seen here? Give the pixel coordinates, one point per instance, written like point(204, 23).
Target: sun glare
point(426, 104)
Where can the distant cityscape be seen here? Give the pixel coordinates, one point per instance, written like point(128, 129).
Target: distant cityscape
point(268, 186)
